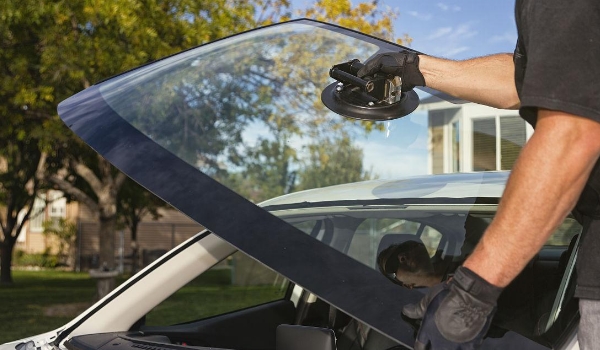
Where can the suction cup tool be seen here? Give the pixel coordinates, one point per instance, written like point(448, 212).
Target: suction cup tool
point(373, 98)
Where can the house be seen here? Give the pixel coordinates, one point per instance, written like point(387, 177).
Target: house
point(154, 236)
point(470, 137)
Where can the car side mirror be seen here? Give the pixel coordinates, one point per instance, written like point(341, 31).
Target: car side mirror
point(294, 337)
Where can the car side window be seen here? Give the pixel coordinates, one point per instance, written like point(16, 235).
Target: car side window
point(236, 283)
point(564, 233)
point(416, 255)
point(417, 249)
point(368, 238)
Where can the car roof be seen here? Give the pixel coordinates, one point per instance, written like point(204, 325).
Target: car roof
point(458, 185)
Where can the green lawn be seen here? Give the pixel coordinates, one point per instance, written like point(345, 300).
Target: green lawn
point(22, 305)
point(198, 301)
point(38, 300)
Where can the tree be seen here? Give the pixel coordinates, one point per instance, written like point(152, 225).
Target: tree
point(26, 112)
point(135, 203)
point(99, 194)
point(268, 169)
point(271, 167)
point(50, 51)
point(65, 234)
point(92, 40)
point(19, 161)
point(24, 149)
point(332, 162)
point(366, 17)
point(53, 50)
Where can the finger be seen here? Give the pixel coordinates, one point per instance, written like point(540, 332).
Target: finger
point(369, 68)
point(420, 346)
point(417, 311)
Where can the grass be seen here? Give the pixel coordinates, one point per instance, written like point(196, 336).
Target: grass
point(197, 301)
point(22, 305)
point(208, 295)
point(25, 307)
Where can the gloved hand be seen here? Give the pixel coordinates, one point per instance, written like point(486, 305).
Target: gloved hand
point(404, 64)
point(456, 314)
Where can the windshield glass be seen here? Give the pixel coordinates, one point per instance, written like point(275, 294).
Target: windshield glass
point(248, 113)
point(218, 128)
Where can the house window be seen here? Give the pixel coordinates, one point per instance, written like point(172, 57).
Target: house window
point(497, 142)
point(512, 139)
point(36, 218)
point(484, 144)
point(436, 121)
point(474, 138)
point(445, 138)
point(57, 206)
point(22, 236)
point(455, 129)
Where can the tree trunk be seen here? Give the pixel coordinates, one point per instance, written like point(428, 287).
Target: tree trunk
point(6, 262)
point(106, 284)
point(134, 258)
point(107, 242)
point(134, 249)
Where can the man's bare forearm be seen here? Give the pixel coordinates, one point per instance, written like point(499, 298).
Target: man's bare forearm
point(544, 186)
point(486, 80)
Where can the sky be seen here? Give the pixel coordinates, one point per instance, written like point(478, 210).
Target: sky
point(456, 29)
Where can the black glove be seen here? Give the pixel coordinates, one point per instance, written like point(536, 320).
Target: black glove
point(404, 64)
point(456, 314)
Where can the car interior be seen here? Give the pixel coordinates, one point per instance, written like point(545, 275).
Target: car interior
point(537, 306)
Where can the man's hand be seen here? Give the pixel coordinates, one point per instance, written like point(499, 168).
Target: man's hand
point(404, 64)
point(456, 314)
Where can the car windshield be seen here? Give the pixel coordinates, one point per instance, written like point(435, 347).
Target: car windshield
point(217, 129)
point(249, 109)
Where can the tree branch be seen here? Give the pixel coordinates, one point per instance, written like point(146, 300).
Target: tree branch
point(119, 180)
point(67, 187)
point(88, 175)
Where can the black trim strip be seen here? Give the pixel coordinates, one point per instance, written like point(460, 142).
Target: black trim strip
point(211, 204)
point(354, 204)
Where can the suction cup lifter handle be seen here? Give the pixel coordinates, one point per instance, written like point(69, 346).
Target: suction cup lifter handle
point(346, 73)
point(373, 97)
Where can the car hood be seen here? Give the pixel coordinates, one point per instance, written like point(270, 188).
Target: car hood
point(217, 128)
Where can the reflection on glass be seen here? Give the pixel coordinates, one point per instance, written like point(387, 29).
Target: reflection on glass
point(248, 113)
point(415, 245)
point(408, 263)
point(418, 246)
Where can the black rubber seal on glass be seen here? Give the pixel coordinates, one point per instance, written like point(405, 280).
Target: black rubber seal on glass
point(333, 276)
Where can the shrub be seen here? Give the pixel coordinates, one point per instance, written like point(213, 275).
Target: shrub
point(44, 259)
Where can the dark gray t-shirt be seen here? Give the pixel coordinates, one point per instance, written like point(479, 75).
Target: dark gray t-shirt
point(557, 67)
point(559, 52)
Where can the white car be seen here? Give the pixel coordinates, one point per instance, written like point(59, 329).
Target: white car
point(188, 128)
